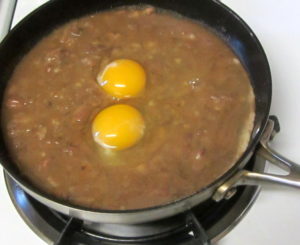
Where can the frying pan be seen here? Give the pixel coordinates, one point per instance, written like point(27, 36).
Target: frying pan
point(238, 36)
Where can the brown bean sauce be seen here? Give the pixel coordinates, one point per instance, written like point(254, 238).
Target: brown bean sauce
point(198, 108)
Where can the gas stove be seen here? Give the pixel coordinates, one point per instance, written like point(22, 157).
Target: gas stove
point(205, 224)
point(274, 217)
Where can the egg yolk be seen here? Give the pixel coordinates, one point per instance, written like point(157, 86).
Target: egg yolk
point(123, 78)
point(118, 127)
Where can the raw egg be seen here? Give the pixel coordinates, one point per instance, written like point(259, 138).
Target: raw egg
point(123, 78)
point(118, 127)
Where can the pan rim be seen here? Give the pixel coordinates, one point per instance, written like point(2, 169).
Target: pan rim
point(235, 167)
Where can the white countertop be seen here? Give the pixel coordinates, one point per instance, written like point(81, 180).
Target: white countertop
point(275, 217)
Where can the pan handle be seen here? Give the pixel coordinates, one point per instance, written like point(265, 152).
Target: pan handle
point(7, 10)
point(245, 177)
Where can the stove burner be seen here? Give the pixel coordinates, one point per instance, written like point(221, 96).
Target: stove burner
point(204, 224)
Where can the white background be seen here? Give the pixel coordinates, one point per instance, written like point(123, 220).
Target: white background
point(275, 217)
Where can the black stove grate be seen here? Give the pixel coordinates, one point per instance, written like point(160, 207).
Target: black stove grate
point(192, 231)
point(73, 234)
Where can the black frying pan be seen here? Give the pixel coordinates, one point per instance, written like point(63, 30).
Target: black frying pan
point(218, 17)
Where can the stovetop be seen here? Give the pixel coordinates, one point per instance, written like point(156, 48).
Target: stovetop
point(275, 217)
point(204, 224)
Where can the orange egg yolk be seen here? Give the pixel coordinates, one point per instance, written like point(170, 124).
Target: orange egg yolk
point(123, 78)
point(118, 127)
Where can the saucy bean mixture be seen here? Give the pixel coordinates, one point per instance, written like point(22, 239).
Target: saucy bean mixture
point(197, 106)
